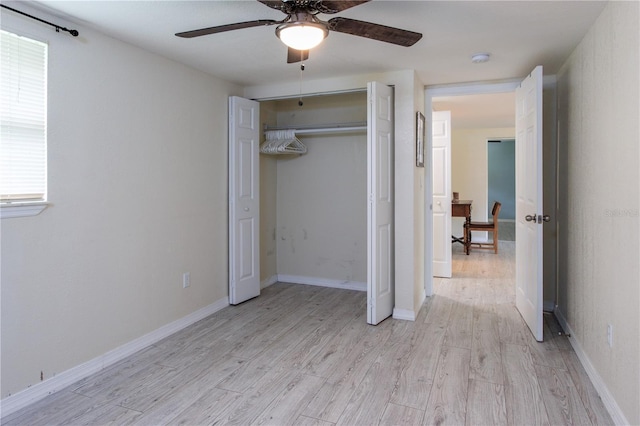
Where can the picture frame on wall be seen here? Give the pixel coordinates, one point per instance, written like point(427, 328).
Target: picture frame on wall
point(419, 139)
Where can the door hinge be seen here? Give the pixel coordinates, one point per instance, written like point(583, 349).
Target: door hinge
point(544, 218)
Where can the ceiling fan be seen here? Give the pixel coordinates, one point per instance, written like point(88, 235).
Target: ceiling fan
point(301, 30)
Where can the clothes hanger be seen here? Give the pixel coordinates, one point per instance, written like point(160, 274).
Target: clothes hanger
point(282, 142)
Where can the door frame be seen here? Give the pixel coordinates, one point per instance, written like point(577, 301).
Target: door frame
point(434, 92)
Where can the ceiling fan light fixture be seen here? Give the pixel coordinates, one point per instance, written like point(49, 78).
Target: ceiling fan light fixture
point(302, 35)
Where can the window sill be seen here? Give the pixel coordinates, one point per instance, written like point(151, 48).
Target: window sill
point(26, 209)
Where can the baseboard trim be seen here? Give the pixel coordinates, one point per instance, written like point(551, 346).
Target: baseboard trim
point(404, 314)
point(15, 402)
point(269, 281)
point(323, 282)
point(608, 400)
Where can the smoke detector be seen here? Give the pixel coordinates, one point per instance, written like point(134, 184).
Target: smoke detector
point(480, 58)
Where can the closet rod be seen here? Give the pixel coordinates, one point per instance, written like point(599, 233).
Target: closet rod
point(328, 128)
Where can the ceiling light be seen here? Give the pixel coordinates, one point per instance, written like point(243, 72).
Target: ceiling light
point(480, 58)
point(302, 35)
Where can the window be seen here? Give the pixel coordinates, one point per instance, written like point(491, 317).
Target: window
point(23, 118)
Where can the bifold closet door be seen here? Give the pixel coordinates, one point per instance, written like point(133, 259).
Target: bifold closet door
point(244, 200)
point(380, 171)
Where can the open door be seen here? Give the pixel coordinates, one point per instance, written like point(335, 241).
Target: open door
point(380, 260)
point(441, 160)
point(244, 200)
point(529, 216)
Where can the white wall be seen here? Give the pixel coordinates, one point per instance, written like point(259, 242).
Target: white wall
point(599, 278)
point(137, 155)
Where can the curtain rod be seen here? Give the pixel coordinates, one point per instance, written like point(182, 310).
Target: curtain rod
point(57, 27)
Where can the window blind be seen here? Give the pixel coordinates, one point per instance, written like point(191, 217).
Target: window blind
point(23, 113)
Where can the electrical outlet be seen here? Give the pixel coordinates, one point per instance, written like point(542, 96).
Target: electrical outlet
point(186, 279)
point(610, 335)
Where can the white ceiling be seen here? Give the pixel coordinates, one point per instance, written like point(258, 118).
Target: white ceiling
point(479, 111)
point(518, 34)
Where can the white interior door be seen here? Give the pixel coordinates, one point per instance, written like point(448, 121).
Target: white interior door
point(244, 200)
point(380, 261)
point(529, 201)
point(441, 161)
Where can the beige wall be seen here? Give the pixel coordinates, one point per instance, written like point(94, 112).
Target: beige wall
point(469, 171)
point(268, 201)
point(137, 154)
point(419, 213)
point(599, 279)
point(409, 199)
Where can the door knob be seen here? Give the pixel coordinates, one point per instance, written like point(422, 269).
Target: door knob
point(546, 218)
point(246, 209)
point(530, 218)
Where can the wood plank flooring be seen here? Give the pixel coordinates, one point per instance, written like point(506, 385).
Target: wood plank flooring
point(506, 230)
point(304, 355)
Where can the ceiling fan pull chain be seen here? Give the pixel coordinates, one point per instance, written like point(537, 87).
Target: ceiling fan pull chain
point(300, 103)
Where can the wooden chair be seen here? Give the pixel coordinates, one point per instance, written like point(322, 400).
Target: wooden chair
point(485, 226)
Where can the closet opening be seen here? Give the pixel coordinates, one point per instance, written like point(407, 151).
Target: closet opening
point(316, 207)
point(313, 206)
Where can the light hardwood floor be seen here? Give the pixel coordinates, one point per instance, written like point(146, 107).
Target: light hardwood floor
point(304, 355)
point(507, 231)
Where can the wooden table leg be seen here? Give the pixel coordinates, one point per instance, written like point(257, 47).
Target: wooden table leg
point(467, 235)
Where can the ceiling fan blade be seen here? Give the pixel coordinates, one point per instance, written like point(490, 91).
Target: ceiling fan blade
point(335, 6)
point(228, 27)
point(294, 55)
point(374, 31)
